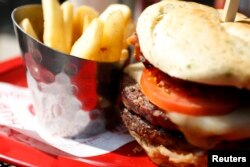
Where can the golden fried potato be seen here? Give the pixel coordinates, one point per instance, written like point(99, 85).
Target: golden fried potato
point(89, 44)
point(67, 9)
point(112, 40)
point(126, 25)
point(128, 31)
point(124, 54)
point(28, 28)
point(87, 22)
point(53, 35)
point(129, 27)
point(82, 13)
point(114, 7)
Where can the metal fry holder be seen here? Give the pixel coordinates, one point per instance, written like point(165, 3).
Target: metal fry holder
point(72, 97)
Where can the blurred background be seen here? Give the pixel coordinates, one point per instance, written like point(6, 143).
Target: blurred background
point(8, 43)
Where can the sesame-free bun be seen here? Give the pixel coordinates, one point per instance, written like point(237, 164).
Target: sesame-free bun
point(165, 157)
point(189, 41)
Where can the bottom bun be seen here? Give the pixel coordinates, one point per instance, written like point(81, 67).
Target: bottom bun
point(165, 157)
point(173, 152)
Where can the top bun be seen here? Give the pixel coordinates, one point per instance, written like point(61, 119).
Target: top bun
point(189, 41)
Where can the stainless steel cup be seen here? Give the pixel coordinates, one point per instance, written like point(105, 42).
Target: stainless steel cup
point(72, 97)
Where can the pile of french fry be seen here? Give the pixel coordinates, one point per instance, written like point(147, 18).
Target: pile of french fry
point(83, 32)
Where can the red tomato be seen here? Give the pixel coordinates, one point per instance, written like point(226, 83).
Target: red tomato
point(175, 95)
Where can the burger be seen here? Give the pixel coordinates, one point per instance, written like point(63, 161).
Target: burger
point(190, 93)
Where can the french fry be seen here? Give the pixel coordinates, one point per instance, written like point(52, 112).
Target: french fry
point(128, 30)
point(53, 35)
point(87, 22)
point(28, 28)
point(84, 34)
point(112, 40)
point(89, 44)
point(80, 15)
point(123, 58)
point(124, 54)
point(67, 10)
point(114, 7)
point(129, 25)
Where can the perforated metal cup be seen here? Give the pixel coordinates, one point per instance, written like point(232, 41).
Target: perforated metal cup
point(72, 97)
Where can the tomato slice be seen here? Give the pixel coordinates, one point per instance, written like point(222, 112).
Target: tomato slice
point(175, 95)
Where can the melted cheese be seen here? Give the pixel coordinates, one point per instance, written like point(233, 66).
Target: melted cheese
point(207, 131)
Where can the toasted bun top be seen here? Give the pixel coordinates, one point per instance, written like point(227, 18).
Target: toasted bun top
point(189, 41)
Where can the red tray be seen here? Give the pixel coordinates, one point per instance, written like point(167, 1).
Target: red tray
point(21, 154)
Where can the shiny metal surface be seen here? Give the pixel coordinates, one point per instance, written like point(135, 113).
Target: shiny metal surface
point(72, 97)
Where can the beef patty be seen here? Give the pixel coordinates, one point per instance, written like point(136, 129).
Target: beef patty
point(150, 122)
